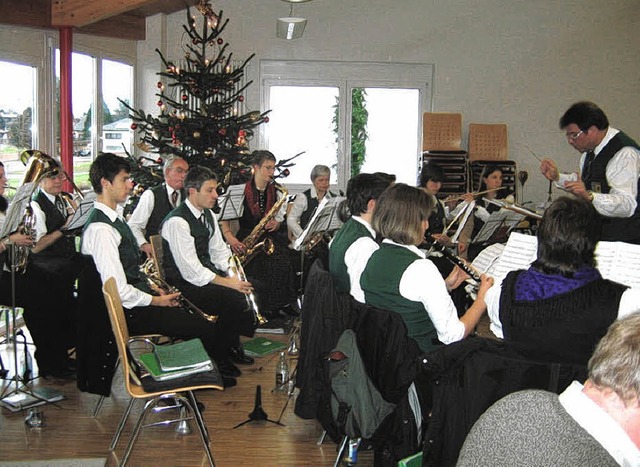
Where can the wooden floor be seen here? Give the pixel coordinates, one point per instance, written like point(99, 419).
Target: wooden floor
point(71, 432)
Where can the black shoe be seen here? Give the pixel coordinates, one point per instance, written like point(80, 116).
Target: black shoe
point(227, 368)
point(228, 382)
point(237, 355)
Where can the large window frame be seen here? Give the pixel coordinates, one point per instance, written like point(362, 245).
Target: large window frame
point(346, 76)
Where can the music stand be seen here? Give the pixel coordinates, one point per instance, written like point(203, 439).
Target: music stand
point(324, 219)
point(14, 217)
point(231, 203)
point(258, 414)
point(81, 215)
point(498, 226)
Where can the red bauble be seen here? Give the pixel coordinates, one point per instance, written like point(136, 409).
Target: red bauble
point(159, 84)
point(134, 126)
point(220, 41)
point(241, 98)
point(160, 103)
point(159, 161)
point(185, 97)
point(222, 131)
point(286, 172)
point(265, 119)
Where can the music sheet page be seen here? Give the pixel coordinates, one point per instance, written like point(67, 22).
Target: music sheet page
point(520, 252)
point(619, 262)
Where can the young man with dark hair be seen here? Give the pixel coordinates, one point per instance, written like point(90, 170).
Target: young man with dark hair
point(196, 261)
point(354, 243)
point(108, 240)
point(609, 175)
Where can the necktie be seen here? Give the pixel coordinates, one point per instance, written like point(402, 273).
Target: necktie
point(586, 168)
point(60, 206)
point(174, 198)
point(205, 222)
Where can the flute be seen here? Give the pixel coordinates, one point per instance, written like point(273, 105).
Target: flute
point(456, 198)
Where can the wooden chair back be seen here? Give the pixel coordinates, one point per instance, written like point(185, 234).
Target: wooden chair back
point(441, 131)
point(488, 142)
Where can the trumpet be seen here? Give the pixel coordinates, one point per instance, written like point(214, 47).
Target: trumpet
point(236, 270)
point(150, 271)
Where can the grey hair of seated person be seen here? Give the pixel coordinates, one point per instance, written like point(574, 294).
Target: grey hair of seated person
point(319, 171)
point(615, 364)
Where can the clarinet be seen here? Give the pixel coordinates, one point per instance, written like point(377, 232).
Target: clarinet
point(455, 259)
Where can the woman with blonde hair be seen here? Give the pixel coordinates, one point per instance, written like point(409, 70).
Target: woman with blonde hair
point(399, 278)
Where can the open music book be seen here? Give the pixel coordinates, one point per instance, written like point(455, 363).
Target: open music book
point(324, 219)
point(82, 213)
point(616, 261)
point(499, 224)
point(231, 203)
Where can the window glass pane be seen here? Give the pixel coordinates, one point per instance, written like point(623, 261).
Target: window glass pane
point(17, 126)
point(117, 81)
point(392, 126)
point(302, 120)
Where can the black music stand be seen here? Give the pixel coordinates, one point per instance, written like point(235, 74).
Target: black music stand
point(81, 215)
point(231, 203)
point(258, 414)
point(324, 219)
point(13, 219)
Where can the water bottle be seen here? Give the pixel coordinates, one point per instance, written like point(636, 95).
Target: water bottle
point(282, 372)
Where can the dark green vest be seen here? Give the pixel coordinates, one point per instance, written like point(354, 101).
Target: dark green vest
point(350, 232)
point(161, 207)
point(380, 282)
point(127, 250)
point(200, 235)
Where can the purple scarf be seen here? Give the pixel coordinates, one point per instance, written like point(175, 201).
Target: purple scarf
point(534, 285)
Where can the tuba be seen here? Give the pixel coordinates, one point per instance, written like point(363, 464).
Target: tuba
point(39, 165)
point(255, 241)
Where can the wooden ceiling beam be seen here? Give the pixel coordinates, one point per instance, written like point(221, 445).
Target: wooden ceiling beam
point(36, 13)
point(126, 26)
point(80, 13)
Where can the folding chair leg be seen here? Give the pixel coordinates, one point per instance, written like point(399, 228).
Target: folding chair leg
point(123, 421)
point(202, 429)
point(150, 405)
point(343, 446)
point(98, 406)
point(323, 435)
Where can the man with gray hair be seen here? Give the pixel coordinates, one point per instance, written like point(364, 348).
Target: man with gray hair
point(597, 424)
point(155, 203)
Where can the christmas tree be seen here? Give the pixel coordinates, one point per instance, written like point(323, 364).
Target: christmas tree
point(200, 101)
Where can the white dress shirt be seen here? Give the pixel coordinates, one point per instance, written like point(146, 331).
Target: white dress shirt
point(357, 256)
point(101, 241)
point(622, 175)
point(40, 216)
point(629, 303)
point(177, 233)
point(599, 424)
point(298, 208)
point(422, 282)
point(140, 216)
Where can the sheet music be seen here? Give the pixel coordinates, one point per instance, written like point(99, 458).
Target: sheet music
point(616, 261)
point(487, 259)
point(231, 203)
point(503, 219)
point(325, 218)
point(467, 210)
point(82, 213)
point(15, 213)
point(521, 250)
point(619, 262)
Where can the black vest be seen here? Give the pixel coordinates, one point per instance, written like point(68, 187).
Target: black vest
point(563, 328)
point(312, 205)
point(65, 247)
point(161, 207)
point(200, 235)
point(436, 219)
point(616, 229)
point(128, 250)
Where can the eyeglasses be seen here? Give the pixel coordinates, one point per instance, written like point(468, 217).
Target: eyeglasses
point(574, 136)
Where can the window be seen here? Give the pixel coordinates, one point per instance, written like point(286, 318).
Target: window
point(329, 108)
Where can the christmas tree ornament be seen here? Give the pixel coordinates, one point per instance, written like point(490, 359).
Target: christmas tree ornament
point(134, 126)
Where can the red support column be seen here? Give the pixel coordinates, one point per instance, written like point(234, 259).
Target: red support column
point(66, 111)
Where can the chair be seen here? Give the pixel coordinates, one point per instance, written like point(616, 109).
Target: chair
point(441, 131)
point(135, 389)
point(488, 142)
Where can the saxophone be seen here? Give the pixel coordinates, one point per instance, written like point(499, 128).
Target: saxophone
point(255, 241)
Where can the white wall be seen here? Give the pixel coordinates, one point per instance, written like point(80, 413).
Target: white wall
point(513, 61)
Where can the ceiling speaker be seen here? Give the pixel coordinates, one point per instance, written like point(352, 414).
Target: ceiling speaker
point(290, 28)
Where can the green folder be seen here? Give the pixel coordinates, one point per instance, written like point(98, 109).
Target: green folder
point(411, 461)
point(177, 360)
point(261, 346)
